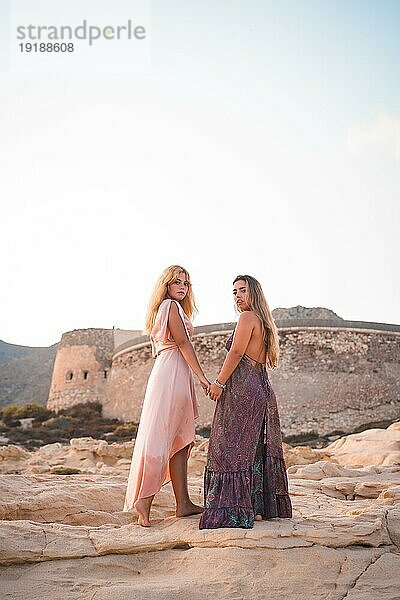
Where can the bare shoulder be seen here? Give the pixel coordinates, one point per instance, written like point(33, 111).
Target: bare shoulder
point(248, 317)
point(173, 305)
point(166, 301)
point(175, 309)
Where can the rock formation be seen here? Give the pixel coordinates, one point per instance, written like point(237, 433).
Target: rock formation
point(65, 536)
point(303, 312)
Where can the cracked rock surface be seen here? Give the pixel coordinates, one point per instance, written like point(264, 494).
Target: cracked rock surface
point(65, 536)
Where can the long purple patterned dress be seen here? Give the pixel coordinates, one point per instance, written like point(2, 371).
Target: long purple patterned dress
point(246, 472)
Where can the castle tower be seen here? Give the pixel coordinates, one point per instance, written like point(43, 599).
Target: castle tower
point(81, 368)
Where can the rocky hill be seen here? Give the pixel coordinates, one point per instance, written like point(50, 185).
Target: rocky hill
point(25, 373)
point(302, 312)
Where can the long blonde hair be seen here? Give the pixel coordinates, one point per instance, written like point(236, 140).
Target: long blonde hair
point(258, 303)
point(160, 293)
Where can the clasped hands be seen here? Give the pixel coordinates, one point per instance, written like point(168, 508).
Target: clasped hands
point(211, 389)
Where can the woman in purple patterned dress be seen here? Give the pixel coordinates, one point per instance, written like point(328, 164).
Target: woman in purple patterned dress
point(245, 477)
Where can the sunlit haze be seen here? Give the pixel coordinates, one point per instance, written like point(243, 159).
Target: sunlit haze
point(260, 138)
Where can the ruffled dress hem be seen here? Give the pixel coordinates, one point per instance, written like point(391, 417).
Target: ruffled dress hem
point(247, 488)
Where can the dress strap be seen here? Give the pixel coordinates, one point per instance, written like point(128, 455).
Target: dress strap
point(254, 360)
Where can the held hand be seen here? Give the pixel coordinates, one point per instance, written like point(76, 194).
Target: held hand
point(215, 392)
point(205, 384)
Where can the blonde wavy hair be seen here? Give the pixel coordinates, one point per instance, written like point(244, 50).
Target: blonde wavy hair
point(160, 293)
point(258, 303)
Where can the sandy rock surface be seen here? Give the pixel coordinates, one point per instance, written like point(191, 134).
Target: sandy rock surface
point(86, 454)
point(370, 447)
point(65, 536)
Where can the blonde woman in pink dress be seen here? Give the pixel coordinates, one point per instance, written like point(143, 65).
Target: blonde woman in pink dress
point(166, 430)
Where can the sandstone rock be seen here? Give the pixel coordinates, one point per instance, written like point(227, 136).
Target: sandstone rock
point(28, 541)
point(344, 483)
point(302, 455)
point(390, 495)
point(377, 576)
point(345, 531)
point(50, 449)
point(39, 469)
point(124, 462)
point(87, 443)
point(13, 459)
point(12, 452)
point(394, 427)
point(52, 498)
point(370, 447)
point(87, 454)
point(321, 469)
point(198, 573)
point(393, 525)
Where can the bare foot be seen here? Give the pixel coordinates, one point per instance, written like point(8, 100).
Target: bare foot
point(258, 518)
point(142, 507)
point(143, 522)
point(189, 509)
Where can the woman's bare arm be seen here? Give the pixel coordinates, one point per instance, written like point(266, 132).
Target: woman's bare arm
point(181, 339)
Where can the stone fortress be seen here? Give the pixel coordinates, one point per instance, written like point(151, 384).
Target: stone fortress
point(334, 375)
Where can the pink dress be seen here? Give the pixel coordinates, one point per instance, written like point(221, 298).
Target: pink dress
point(169, 409)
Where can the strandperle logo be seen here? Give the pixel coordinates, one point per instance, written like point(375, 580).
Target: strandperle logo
point(89, 33)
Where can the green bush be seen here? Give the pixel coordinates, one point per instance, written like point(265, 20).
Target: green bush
point(86, 420)
point(80, 420)
point(84, 410)
point(12, 413)
point(61, 423)
point(64, 471)
point(126, 430)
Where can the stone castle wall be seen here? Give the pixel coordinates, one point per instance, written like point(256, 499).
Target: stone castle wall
point(330, 378)
point(338, 379)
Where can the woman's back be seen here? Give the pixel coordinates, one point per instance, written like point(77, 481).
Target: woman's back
point(256, 349)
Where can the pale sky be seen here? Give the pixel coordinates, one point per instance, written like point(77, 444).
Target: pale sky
point(258, 137)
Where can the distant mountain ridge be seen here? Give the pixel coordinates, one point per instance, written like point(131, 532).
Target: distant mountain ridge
point(8, 351)
point(25, 373)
